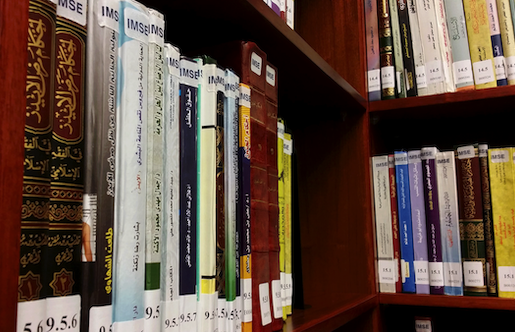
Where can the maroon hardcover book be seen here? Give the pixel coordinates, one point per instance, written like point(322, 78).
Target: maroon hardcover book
point(395, 225)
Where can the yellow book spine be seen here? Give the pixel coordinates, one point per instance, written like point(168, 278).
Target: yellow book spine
point(287, 167)
point(480, 43)
point(500, 162)
point(507, 37)
point(280, 172)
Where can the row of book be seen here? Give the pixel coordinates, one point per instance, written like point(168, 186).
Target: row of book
point(444, 221)
point(427, 47)
point(285, 9)
point(157, 187)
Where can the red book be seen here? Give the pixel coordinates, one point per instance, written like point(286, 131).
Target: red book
point(395, 224)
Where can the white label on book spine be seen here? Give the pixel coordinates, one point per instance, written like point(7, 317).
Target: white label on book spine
point(280, 130)
point(289, 288)
point(421, 272)
point(270, 75)
point(388, 77)
point(374, 83)
point(386, 271)
point(188, 310)
point(136, 25)
point(277, 299)
point(108, 14)
point(31, 314)
point(209, 72)
point(173, 60)
point(264, 304)
point(100, 318)
point(401, 159)
point(247, 299)
point(89, 218)
point(499, 156)
point(466, 152)
point(190, 72)
point(483, 71)
point(434, 72)
point(256, 64)
point(65, 311)
point(220, 80)
point(500, 67)
point(244, 96)
point(506, 275)
point(232, 85)
point(288, 147)
point(129, 326)
point(283, 288)
point(289, 13)
point(399, 86)
point(453, 274)
point(74, 10)
point(463, 71)
point(436, 274)
point(207, 312)
point(152, 310)
point(510, 67)
point(473, 274)
point(170, 321)
point(221, 320)
point(483, 150)
point(423, 325)
point(156, 27)
point(420, 72)
point(403, 270)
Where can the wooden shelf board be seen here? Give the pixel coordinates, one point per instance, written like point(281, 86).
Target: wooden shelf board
point(330, 317)
point(467, 302)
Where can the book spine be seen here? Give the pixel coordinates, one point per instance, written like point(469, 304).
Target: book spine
point(406, 234)
point(290, 13)
point(32, 284)
point(491, 270)
point(445, 46)
point(457, 33)
point(373, 64)
point(418, 220)
point(63, 256)
point(170, 253)
point(418, 51)
point(131, 168)
point(449, 225)
point(386, 51)
point(507, 37)
point(383, 218)
point(276, 6)
point(397, 49)
point(282, 7)
point(188, 192)
point(472, 234)
point(245, 202)
point(500, 165)
point(395, 224)
point(282, 216)
point(407, 50)
point(434, 245)
point(100, 155)
point(288, 222)
point(495, 35)
point(232, 272)
point(481, 54)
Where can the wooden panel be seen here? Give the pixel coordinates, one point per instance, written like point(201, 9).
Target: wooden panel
point(13, 69)
point(470, 302)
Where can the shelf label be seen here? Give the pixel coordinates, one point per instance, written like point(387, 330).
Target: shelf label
point(264, 304)
point(423, 325)
point(463, 72)
point(63, 314)
point(434, 72)
point(374, 82)
point(453, 274)
point(483, 71)
point(388, 77)
point(510, 67)
point(436, 274)
point(421, 272)
point(386, 271)
point(499, 156)
point(277, 299)
point(473, 272)
point(420, 72)
point(506, 278)
point(500, 67)
point(100, 318)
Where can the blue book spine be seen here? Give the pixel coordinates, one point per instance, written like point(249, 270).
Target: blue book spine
point(418, 219)
point(404, 210)
point(495, 33)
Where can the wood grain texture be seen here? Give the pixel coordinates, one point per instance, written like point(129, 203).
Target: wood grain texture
point(13, 57)
point(468, 302)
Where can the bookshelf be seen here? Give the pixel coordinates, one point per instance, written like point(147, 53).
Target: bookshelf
point(322, 96)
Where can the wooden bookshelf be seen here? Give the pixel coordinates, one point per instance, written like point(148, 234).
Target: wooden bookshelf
point(464, 302)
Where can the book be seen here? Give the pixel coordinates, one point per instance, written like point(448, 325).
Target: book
point(395, 224)
point(32, 284)
point(500, 164)
point(434, 244)
point(495, 35)
point(290, 13)
point(386, 55)
point(481, 54)
point(372, 40)
point(449, 225)
point(282, 212)
point(405, 228)
point(386, 266)
point(131, 169)
point(445, 46)
point(457, 33)
point(155, 169)
point(418, 220)
point(288, 221)
point(472, 230)
point(63, 256)
point(491, 269)
point(507, 37)
point(397, 50)
point(418, 51)
point(407, 49)
point(100, 165)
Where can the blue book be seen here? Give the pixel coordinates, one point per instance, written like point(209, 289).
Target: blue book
point(405, 227)
point(495, 35)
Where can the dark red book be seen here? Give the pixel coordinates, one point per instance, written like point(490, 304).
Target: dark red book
point(395, 224)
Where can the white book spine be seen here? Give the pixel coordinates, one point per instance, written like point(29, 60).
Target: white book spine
point(445, 46)
point(418, 50)
point(290, 13)
point(397, 48)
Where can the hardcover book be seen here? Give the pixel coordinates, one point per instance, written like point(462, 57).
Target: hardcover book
point(409, 75)
point(445, 46)
point(507, 37)
point(495, 35)
point(288, 220)
point(395, 224)
point(397, 50)
point(386, 51)
point(418, 51)
point(373, 65)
